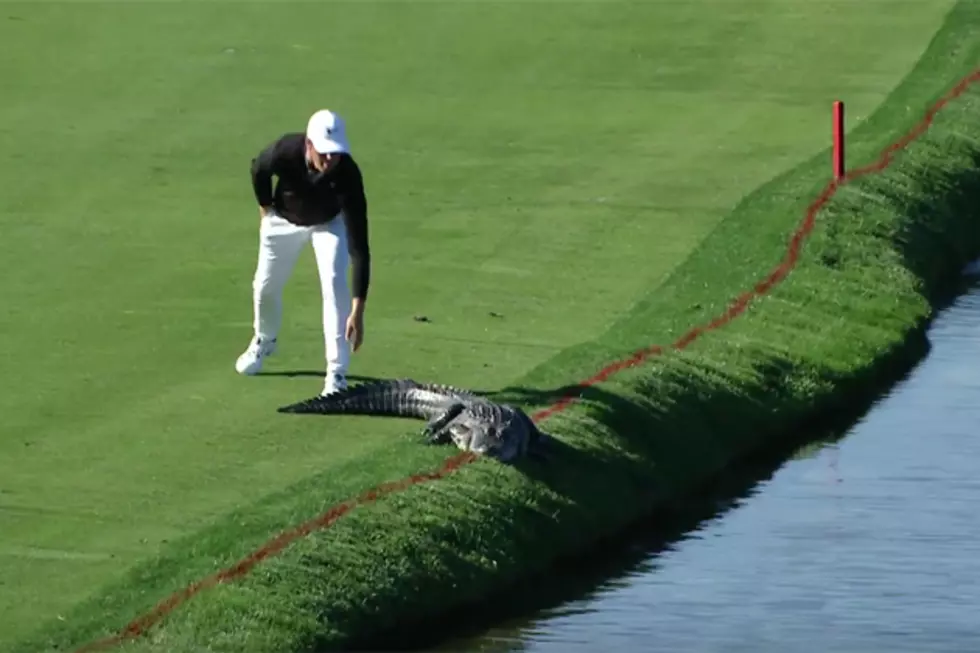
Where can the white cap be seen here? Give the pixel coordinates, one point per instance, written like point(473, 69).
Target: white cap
point(327, 131)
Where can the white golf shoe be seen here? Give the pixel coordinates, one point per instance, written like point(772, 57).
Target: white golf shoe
point(250, 362)
point(335, 382)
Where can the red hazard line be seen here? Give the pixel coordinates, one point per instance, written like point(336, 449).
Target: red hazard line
point(140, 625)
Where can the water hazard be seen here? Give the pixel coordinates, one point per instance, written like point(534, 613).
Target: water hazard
point(870, 542)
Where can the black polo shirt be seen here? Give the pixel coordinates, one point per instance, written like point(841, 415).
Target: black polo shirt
point(306, 197)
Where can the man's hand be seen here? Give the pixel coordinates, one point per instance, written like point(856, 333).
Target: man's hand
point(355, 324)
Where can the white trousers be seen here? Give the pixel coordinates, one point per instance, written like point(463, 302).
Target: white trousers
point(280, 244)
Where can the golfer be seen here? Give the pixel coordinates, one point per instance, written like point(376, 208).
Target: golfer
point(319, 198)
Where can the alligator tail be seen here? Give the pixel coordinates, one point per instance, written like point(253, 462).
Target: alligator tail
point(394, 398)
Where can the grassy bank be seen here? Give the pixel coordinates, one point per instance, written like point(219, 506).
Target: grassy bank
point(880, 251)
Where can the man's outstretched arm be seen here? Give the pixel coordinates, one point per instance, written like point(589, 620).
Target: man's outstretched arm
point(355, 215)
point(356, 221)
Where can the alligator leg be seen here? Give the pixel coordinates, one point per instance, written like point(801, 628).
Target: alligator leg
point(435, 431)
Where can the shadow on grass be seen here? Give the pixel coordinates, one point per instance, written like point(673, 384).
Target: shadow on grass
point(314, 373)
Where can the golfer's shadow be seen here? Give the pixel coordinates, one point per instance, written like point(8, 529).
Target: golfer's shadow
point(317, 373)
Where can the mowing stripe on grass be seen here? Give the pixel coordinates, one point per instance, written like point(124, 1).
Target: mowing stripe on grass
point(139, 625)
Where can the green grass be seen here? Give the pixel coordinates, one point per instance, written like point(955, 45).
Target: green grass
point(551, 163)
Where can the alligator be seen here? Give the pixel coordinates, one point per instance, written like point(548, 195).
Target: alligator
point(471, 422)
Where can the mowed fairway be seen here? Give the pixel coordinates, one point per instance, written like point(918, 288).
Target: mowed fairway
point(544, 162)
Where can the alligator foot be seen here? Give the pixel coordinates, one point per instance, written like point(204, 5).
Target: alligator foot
point(435, 434)
point(435, 431)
